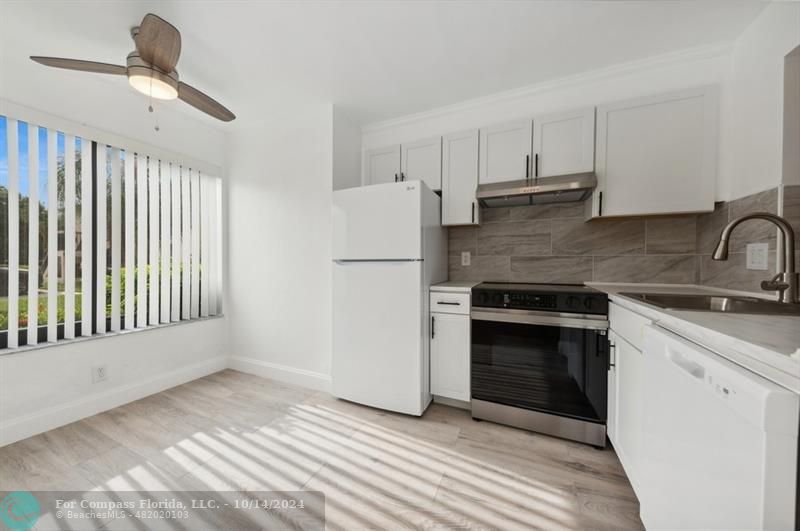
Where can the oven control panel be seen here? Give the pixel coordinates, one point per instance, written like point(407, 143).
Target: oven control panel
point(547, 297)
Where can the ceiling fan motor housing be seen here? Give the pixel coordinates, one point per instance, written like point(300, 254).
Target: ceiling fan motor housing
point(150, 79)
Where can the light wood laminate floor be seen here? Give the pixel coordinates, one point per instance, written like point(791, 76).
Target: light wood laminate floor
point(378, 470)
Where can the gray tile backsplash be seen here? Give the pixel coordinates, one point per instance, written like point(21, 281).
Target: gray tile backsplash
point(553, 243)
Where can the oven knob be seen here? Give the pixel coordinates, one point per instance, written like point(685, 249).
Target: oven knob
point(573, 302)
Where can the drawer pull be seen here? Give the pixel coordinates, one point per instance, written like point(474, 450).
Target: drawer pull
point(449, 303)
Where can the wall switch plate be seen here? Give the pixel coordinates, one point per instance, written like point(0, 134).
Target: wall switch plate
point(465, 258)
point(757, 256)
point(99, 373)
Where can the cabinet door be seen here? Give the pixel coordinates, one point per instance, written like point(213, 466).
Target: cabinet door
point(460, 178)
point(505, 152)
point(450, 344)
point(657, 155)
point(382, 165)
point(630, 400)
point(613, 381)
point(422, 161)
point(563, 143)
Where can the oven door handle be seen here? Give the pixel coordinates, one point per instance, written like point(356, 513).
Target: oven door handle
point(538, 318)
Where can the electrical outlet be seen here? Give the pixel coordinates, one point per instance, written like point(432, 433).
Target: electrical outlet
point(757, 258)
point(465, 258)
point(99, 373)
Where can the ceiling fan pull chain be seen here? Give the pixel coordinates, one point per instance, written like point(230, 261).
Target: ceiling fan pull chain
point(150, 106)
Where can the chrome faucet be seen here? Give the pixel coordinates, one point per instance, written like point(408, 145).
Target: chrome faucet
point(786, 282)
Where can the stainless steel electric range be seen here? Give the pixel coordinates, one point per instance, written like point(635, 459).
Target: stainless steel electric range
point(539, 358)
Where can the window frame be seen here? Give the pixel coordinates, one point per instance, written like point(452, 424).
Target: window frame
point(42, 119)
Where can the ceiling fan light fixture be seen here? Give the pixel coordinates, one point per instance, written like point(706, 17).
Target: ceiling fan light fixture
point(153, 86)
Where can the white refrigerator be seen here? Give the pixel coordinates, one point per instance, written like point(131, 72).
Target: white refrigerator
point(388, 248)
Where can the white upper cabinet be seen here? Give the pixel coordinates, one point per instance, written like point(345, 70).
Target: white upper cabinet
point(505, 152)
point(382, 165)
point(460, 178)
point(422, 161)
point(657, 155)
point(563, 143)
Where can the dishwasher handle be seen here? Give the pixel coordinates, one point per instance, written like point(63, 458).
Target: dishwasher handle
point(693, 368)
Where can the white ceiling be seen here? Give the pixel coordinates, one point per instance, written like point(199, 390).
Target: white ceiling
point(377, 59)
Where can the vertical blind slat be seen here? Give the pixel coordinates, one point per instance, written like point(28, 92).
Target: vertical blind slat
point(52, 236)
point(33, 234)
point(12, 133)
point(153, 235)
point(175, 191)
point(69, 236)
point(101, 238)
point(86, 237)
point(204, 297)
point(166, 203)
point(218, 229)
point(186, 210)
point(212, 245)
point(141, 240)
point(195, 276)
point(130, 198)
point(116, 237)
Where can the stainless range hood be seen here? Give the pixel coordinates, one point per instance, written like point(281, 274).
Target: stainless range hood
point(560, 189)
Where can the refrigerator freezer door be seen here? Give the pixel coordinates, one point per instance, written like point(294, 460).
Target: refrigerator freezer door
point(378, 222)
point(377, 335)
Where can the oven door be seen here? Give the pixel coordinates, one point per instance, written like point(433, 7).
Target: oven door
point(541, 361)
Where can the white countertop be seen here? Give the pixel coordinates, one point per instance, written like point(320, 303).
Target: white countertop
point(767, 345)
point(464, 286)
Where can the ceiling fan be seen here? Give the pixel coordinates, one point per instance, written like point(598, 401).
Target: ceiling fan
point(151, 67)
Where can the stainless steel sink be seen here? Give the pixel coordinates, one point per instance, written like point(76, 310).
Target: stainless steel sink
point(716, 303)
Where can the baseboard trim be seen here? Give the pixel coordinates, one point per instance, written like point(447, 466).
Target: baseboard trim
point(452, 402)
point(19, 428)
point(310, 379)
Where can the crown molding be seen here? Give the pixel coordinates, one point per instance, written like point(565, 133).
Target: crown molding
point(656, 61)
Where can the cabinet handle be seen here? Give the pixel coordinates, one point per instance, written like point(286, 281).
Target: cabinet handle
point(600, 205)
point(527, 166)
point(449, 303)
point(395, 177)
point(402, 176)
point(612, 355)
point(536, 166)
point(473, 211)
point(433, 327)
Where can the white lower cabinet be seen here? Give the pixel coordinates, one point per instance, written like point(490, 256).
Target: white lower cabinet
point(450, 347)
point(628, 417)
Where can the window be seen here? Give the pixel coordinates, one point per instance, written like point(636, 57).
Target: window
point(97, 238)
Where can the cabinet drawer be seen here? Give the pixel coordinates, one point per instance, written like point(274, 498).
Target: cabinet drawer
point(630, 325)
point(446, 302)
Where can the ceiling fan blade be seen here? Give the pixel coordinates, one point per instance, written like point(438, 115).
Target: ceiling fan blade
point(83, 66)
point(158, 42)
point(200, 101)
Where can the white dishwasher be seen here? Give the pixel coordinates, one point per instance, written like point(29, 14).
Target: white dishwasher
point(720, 443)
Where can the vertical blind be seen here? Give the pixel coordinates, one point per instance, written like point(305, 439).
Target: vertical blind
point(97, 238)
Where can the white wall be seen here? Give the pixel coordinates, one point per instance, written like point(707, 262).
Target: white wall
point(346, 151)
point(279, 305)
point(753, 105)
point(791, 118)
point(49, 387)
point(43, 389)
